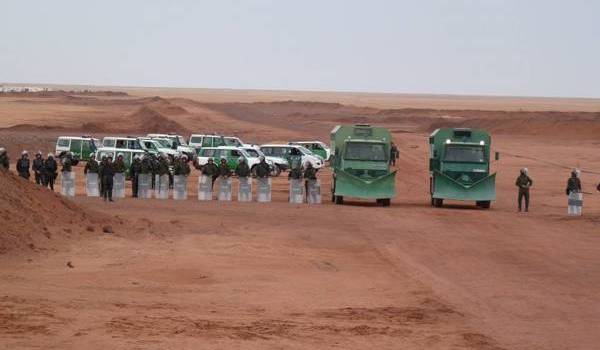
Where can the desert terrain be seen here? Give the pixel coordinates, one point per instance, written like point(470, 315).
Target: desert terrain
point(150, 274)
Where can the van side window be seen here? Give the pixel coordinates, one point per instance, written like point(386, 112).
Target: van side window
point(235, 153)
point(295, 152)
point(108, 143)
point(63, 142)
point(207, 142)
point(121, 144)
point(76, 146)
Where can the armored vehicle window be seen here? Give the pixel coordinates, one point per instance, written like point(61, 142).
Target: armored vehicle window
point(366, 151)
point(467, 154)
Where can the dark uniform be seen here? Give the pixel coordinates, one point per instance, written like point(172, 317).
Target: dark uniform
point(224, 170)
point(4, 163)
point(181, 167)
point(23, 167)
point(39, 169)
point(119, 165)
point(262, 169)
point(295, 173)
point(310, 174)
point(242, 170)
point(107, 173)
point(573, 184)
point(51, 172)
point(394, 154)
point(211, 170)
point(136, 170)
point(67, 164)
point(91, 167)
point(523, 182)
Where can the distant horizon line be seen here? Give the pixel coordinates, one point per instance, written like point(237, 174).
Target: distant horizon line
point(429, 94)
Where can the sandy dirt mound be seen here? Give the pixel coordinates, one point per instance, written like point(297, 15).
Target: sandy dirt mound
point(35, 218)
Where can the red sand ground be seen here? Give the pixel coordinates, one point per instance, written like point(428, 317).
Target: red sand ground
point(272, 276)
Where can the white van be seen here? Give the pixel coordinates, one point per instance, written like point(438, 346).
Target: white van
point(201, 140)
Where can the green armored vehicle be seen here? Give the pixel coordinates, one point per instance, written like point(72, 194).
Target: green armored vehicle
point(360, 163)
point(459, 167)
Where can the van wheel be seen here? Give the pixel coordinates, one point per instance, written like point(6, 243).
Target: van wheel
point(437, 202)
point(276, 170)
point(484, 204)
point(339, 199)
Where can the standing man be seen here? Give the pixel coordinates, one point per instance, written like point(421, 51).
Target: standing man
point(119, 164)
point(524, 182)
point(51, 173)
point(574, 184)
point(310, 174)
point(262, 169)
point(4, 163)
point(136, 170)
point(23, 165)
point(107, 172)
point(224, 170)
point(67, 164)
point(242, 169)
point(92, 165)
point(181, 166)
point(394, 154)
point(38, 168)
point(210, 170)
point(296, 170)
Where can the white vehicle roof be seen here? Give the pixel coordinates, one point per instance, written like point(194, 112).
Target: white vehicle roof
point(77, 137)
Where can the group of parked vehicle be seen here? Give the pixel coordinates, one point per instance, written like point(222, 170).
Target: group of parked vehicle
point(199, 149)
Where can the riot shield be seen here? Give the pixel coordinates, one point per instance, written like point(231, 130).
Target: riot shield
point(224, 188)
point(245, 189)
point(313, 195)
point(204, 188)
point(161, 184)
point(118, 190)
point(145, 186)
point(92, 185)
point(575, 203)
point(263, 192)
point(180, 187)
point(67, 184)
point(296, 191)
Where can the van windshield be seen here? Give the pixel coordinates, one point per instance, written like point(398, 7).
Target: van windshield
point(464, 154)
point(367, 151)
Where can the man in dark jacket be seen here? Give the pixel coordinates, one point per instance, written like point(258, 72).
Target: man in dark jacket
point(23, 166)
point(224, 170)
point(524, 182)
point(51, 172)
point(4, 163)
point(310, 174)
point(119, 164)
point(92, 165)
point(296, 170)
point(263, 170)
point(394, 154)
point(181, 166)
point(67, 163)
point(210, 169)
point(573, 184)
point(107, 173)
point(136, 170)
point(39, 168)
point(242, 169)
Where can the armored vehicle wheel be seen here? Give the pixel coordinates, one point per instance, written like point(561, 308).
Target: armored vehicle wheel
point(437, 202)
point(384, 202)
point(484, 204)
point(339, 199)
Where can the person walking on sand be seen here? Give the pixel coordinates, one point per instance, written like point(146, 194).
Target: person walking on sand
point(574, 183)
point(523, 182)
point(23, 165)
point(38, 168)
point(51, 171)
point(394, 154)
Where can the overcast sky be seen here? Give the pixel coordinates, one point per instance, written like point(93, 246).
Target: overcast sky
point(504, 47)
